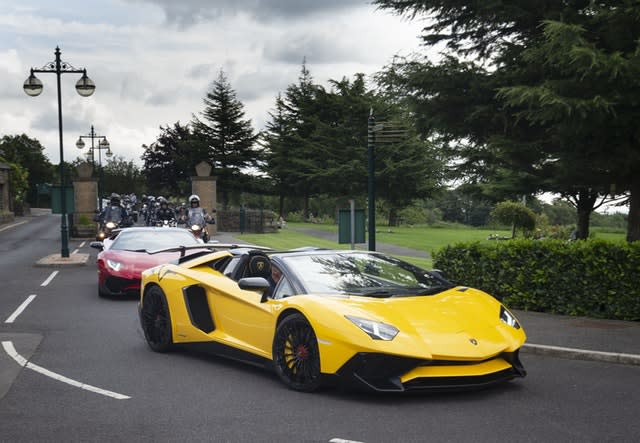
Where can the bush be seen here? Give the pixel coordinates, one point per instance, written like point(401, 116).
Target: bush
point(415, 215)
point(83, 220)
point(516, 214)
point(591, 278)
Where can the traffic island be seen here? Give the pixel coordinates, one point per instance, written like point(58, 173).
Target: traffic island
point(55, 260)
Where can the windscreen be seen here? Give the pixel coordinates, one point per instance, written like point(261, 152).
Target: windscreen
point(363, 274)
point(153, 240)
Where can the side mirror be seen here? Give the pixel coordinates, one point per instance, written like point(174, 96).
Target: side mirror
point(97, 245)
point(257, 284)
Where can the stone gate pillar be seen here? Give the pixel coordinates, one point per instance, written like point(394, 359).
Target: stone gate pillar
point(85, 194)
point(204, 185)
point(5, 196)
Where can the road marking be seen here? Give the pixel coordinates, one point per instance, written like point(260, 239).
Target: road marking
point(82, 244)
point(342, 440)
point(11, 351)
point(13, 225)
point(21, 308)
point(75, 251)
point(51, 277)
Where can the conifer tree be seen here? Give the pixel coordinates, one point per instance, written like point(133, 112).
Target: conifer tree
point(227, 136)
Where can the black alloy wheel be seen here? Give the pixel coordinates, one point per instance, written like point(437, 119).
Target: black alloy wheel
point(296, 356)
point(156, 320)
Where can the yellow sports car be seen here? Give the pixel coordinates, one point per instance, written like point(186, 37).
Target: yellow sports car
point(317, 315)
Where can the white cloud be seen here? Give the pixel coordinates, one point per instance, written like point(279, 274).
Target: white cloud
point(149, 73)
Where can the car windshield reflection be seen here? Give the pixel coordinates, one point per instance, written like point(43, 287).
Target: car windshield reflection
point(363, 274)
point(140, 241)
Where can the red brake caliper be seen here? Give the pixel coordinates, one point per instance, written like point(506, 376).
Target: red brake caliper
point(302, 353)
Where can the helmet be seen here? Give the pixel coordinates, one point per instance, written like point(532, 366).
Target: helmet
point(115, 199)
point(162, 201)
point(194, 198)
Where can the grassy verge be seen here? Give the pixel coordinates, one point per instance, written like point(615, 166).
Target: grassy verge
point(289, 239)
point(422, 238)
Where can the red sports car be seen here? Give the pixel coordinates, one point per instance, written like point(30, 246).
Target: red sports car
point(125, 254)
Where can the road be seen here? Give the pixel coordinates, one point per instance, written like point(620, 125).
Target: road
point(185, 396)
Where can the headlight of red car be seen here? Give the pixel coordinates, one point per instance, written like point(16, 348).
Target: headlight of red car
point(114, 265)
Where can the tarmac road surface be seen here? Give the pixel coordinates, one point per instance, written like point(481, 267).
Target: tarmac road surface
point(183, 396)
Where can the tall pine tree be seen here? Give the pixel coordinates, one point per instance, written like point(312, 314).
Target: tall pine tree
point(227, 136)
point(567, 76)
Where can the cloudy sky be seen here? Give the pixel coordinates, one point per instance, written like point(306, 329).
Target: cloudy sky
point(153, 60)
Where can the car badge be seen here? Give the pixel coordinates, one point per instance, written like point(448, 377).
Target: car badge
point(473, 341)
point(260, 266)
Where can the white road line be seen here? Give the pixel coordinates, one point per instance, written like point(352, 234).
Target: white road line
point(21, 308)
point(75, 251)
point(13, 225)
point(342, 440)
point(81, 244)
point(11, 351)
point(51, 277)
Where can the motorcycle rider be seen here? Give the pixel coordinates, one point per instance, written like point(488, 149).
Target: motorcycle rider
point(113, 212)
point(197, 215)
point(164, 212)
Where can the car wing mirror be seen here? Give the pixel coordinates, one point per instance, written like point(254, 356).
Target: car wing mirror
point(257, 284)
point(97, 245)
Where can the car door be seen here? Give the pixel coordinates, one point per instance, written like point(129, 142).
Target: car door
point(244, 321)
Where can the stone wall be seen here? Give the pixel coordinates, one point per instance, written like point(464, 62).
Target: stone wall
point(229, 221)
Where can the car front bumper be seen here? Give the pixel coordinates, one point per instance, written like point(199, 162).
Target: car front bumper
point(390, 373)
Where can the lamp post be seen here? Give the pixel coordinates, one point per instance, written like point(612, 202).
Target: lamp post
point(371, 178)
point(85, 87)
point(102, 144)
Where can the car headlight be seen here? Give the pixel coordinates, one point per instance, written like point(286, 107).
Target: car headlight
point(195, 227)
point(110, 225)
point(375, 329)
point(115, 265)
point(508, 318)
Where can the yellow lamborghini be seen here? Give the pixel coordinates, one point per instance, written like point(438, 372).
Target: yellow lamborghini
point(316, 315)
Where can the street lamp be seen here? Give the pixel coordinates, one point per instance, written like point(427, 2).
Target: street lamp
point(85, 87)
point(103, 144)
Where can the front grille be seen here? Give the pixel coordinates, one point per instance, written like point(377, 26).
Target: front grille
point(453, 383)
point(382, 372)
point(119, 285)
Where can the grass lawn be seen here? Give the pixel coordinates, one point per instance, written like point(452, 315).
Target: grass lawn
point(289, 239)
point(421, 238)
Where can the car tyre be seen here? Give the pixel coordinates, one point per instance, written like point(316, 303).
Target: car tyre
point(155, 320)
point(102, 293)
point(296, 355)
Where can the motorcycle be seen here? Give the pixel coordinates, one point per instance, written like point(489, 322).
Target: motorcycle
point(108, 224)
point(197, 224)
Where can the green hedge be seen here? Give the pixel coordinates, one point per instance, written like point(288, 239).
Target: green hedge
point(591, 278)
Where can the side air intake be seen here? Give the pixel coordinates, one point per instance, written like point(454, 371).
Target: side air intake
point(198, 307)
